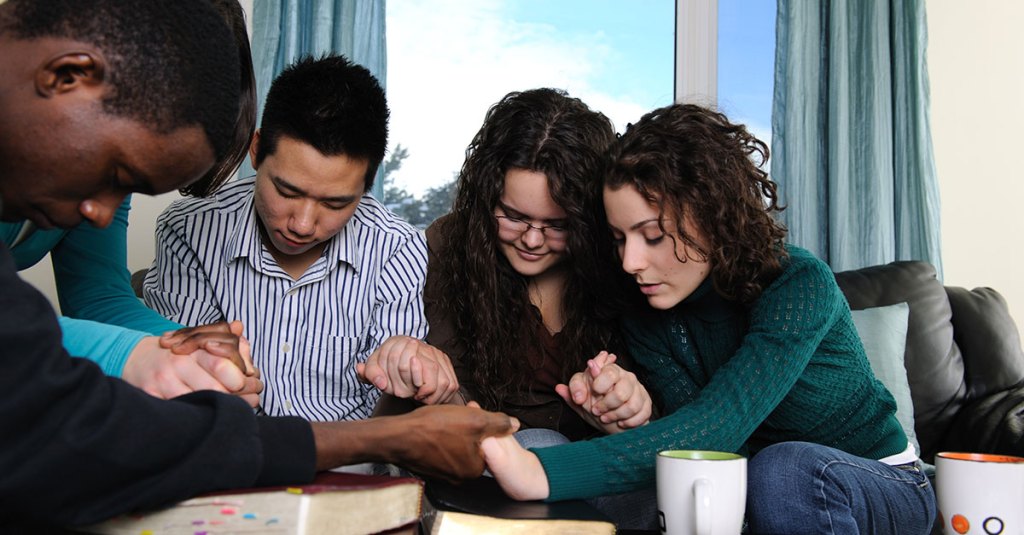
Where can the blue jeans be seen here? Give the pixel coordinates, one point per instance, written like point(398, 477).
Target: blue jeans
point(538, 437)
point(798, 487)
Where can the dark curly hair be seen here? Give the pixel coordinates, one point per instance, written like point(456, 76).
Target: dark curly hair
point(693, 163)
point(541, 130)
point(245, 125)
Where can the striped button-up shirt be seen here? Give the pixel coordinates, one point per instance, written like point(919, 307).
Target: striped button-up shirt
point(308, 334)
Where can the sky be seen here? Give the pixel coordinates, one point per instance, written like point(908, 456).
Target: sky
point(746, 63)
point(450, 60)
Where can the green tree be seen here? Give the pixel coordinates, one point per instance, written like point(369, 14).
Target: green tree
point(420, 212)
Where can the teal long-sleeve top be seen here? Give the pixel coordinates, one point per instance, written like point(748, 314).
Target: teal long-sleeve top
point(789, 367)
point(102, 318)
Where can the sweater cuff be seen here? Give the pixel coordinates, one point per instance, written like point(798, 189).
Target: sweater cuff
point(109, 346)
point(570, 470)
point(114, 361)
point(289, 453)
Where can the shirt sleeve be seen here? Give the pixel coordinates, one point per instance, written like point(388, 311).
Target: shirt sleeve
point(783, 335)
point(177, 285)
point(399, 307)
point(78, 446)
point(93, 283)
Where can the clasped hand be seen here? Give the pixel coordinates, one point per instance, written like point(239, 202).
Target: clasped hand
point(607, 396)
point(207, 357)
point(406, 367)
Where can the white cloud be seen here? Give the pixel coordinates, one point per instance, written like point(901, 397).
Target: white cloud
point(448, 62)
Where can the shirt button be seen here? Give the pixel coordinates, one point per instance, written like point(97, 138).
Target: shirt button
point(285, 347)
point(288, 405)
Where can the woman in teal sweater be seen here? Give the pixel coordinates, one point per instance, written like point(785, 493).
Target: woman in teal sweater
point(102, 318)
point(748, 346)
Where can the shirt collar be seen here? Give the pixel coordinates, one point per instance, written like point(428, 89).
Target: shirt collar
point(245, 240)
point(343, 247)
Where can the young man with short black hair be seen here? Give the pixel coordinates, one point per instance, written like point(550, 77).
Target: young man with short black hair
point(319, 272)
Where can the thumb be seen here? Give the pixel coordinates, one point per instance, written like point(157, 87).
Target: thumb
point(236, 328)
point(563, 391)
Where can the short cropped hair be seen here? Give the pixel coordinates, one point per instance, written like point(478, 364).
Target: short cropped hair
point(172, 64)
point(331, 104)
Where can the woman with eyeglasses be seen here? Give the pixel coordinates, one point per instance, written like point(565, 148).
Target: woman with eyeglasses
point(748, 343)
point(519, 291)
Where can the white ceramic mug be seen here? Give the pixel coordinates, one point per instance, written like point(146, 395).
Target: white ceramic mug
point(980, 494)
point(701, 492)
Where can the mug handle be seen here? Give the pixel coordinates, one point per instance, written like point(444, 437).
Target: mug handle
point(702, 505)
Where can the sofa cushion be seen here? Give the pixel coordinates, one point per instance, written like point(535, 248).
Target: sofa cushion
point(935, 368)
point(989, 340)
point(883, 330)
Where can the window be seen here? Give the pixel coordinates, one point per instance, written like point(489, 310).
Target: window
point(746, 63)
point(448, 62)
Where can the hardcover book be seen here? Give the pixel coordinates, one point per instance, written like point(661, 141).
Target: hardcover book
point(480, 506)
point(335, 503)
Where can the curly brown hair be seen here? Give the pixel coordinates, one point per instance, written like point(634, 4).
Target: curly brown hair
point(693, 163)
point(546, 131)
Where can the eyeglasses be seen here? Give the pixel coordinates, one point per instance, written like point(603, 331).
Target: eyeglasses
point(516, 225)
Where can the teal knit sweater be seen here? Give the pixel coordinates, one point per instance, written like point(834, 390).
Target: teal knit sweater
point(789, 367)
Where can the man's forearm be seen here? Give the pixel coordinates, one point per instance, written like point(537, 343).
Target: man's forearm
point(357, 441)
point(434, 440)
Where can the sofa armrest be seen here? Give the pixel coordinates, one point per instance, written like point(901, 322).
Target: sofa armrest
point(993, 424)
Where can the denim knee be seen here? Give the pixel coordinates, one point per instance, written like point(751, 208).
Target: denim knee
point(795, 487)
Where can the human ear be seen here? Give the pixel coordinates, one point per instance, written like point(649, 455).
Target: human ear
point(69, 71)
point(253, 148)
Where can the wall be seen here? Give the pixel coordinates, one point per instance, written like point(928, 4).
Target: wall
point(976, 68)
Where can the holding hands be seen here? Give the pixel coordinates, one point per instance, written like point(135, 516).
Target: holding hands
point(208, 357)
point(406, 367)
point(516, 469)
point(607, 396)
point(439, 441)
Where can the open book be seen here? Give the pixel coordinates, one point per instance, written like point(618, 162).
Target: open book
point(480, 506)
point(336, 502)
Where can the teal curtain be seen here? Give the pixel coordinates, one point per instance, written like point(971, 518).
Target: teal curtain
point(851, 141)
point(288, 29)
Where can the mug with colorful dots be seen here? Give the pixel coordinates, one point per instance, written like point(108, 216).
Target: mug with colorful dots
point(980, 493)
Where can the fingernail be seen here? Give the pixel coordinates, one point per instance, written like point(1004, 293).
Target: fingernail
point(379, 382)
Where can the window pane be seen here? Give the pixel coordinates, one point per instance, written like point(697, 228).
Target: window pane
point(746, 63)
point(448, 62)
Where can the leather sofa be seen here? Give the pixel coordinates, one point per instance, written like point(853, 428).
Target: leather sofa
point(965, 367)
